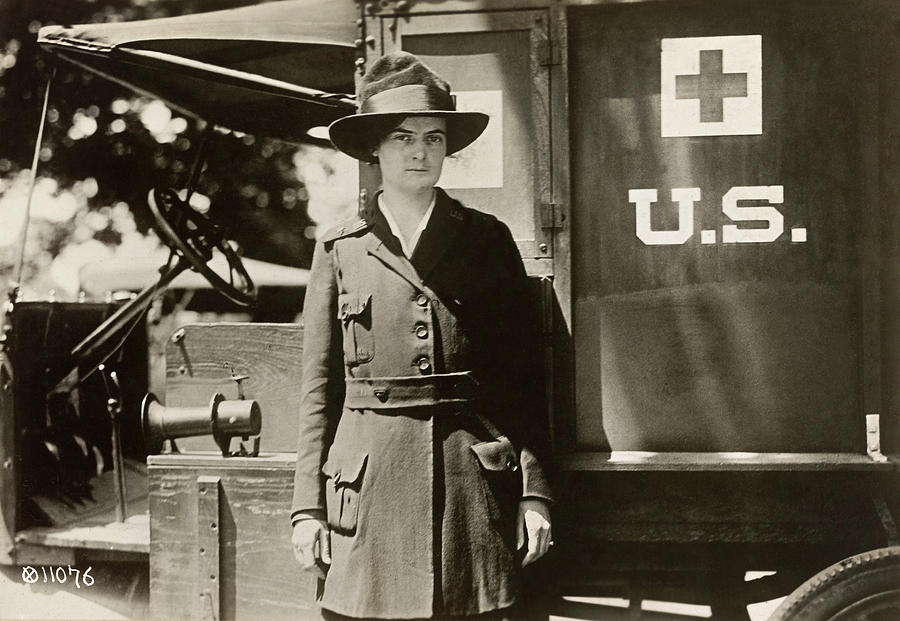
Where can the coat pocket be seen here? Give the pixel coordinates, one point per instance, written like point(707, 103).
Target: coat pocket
point(343, 485)
point(355, 313)
point(501, 481)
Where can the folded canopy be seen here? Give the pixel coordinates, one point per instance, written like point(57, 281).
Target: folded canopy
point(135, 273)
point(276, 69)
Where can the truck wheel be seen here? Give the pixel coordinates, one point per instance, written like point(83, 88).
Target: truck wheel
point(865, 587)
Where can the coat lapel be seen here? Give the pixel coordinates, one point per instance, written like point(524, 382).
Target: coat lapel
point(443, 228)
point(386, 248)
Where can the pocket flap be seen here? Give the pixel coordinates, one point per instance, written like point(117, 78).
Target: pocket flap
point(351, 305)
point(497, 454)
point(345, 470)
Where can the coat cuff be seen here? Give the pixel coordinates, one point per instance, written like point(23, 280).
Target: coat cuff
point(535, 483)
point(307, 514)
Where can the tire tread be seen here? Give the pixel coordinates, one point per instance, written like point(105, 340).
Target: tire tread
point(792, 608)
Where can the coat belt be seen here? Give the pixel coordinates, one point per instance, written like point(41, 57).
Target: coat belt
point(366, 393)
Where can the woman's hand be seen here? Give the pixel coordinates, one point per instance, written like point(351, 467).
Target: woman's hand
point(312, 546)
point(534, 528)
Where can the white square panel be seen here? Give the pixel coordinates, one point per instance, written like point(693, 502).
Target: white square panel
point(711, 86)
point(480, 165)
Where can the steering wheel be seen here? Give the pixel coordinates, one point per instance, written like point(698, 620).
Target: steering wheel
point(194, 236)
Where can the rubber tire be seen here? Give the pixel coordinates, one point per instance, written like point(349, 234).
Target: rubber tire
point(852, 589)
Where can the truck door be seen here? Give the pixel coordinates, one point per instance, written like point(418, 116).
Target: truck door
point(731, 179)
point(498, 63)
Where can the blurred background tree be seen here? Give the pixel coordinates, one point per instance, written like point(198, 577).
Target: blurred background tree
point(104, 147)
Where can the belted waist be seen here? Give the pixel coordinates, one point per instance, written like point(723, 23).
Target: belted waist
point(402, 392)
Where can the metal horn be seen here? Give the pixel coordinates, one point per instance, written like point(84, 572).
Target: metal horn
point(224, 419)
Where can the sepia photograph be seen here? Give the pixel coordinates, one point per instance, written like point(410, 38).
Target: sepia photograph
point(451, 310)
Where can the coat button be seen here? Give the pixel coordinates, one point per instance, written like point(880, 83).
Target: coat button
point(424, 364)
point(511, 464)
point(421, 330)
point(422, 300)
point(381, 394)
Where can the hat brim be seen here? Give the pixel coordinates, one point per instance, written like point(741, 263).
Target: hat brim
point(355, 134)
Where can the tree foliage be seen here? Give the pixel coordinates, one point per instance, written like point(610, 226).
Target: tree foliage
point(104, 148)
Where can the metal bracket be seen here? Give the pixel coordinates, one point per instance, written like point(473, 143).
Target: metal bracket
point(548, 54)
point(114, 409)
point(380, 7)
point(873, 438)
point(887, 520)
point(552, 216)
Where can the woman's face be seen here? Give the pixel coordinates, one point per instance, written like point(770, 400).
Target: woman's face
point(412, 154)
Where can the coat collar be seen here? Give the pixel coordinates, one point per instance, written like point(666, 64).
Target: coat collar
point(443, 228)
point(440, 234)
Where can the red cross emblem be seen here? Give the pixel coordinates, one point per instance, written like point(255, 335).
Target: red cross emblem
point(711, 86)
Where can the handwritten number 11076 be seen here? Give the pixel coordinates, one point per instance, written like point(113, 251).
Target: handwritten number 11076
point(31, 575)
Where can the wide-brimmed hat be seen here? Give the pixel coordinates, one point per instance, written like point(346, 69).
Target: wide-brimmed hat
point(400, 85)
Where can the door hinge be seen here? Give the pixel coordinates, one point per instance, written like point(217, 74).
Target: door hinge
point(548, 54)
point(552, 216)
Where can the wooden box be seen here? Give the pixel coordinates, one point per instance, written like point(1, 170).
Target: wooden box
point(221, 539)
point(220, 527)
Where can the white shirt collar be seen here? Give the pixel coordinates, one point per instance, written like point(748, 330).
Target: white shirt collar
point(409, 247)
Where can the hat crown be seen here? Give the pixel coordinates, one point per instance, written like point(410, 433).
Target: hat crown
point(396, 86)
point(400, 81)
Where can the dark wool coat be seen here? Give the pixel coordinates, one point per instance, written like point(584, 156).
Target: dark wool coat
point(420, 481)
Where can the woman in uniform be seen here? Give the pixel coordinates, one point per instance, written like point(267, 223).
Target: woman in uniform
point(418, 490)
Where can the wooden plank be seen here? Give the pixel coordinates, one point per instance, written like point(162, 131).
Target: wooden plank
point(626, 461)
point(208, 545)
point(690, 532)
point(749, 507)
point(28, 553)
point(210, 459)
point(100, 507)
point(200, 363)
point(91, 527)
point(132, 535)
point(259, 577)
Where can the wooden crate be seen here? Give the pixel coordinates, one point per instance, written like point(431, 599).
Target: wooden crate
point(220, 539)
point(219, 527)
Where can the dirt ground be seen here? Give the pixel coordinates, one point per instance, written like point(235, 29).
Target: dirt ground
point(120, 591)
